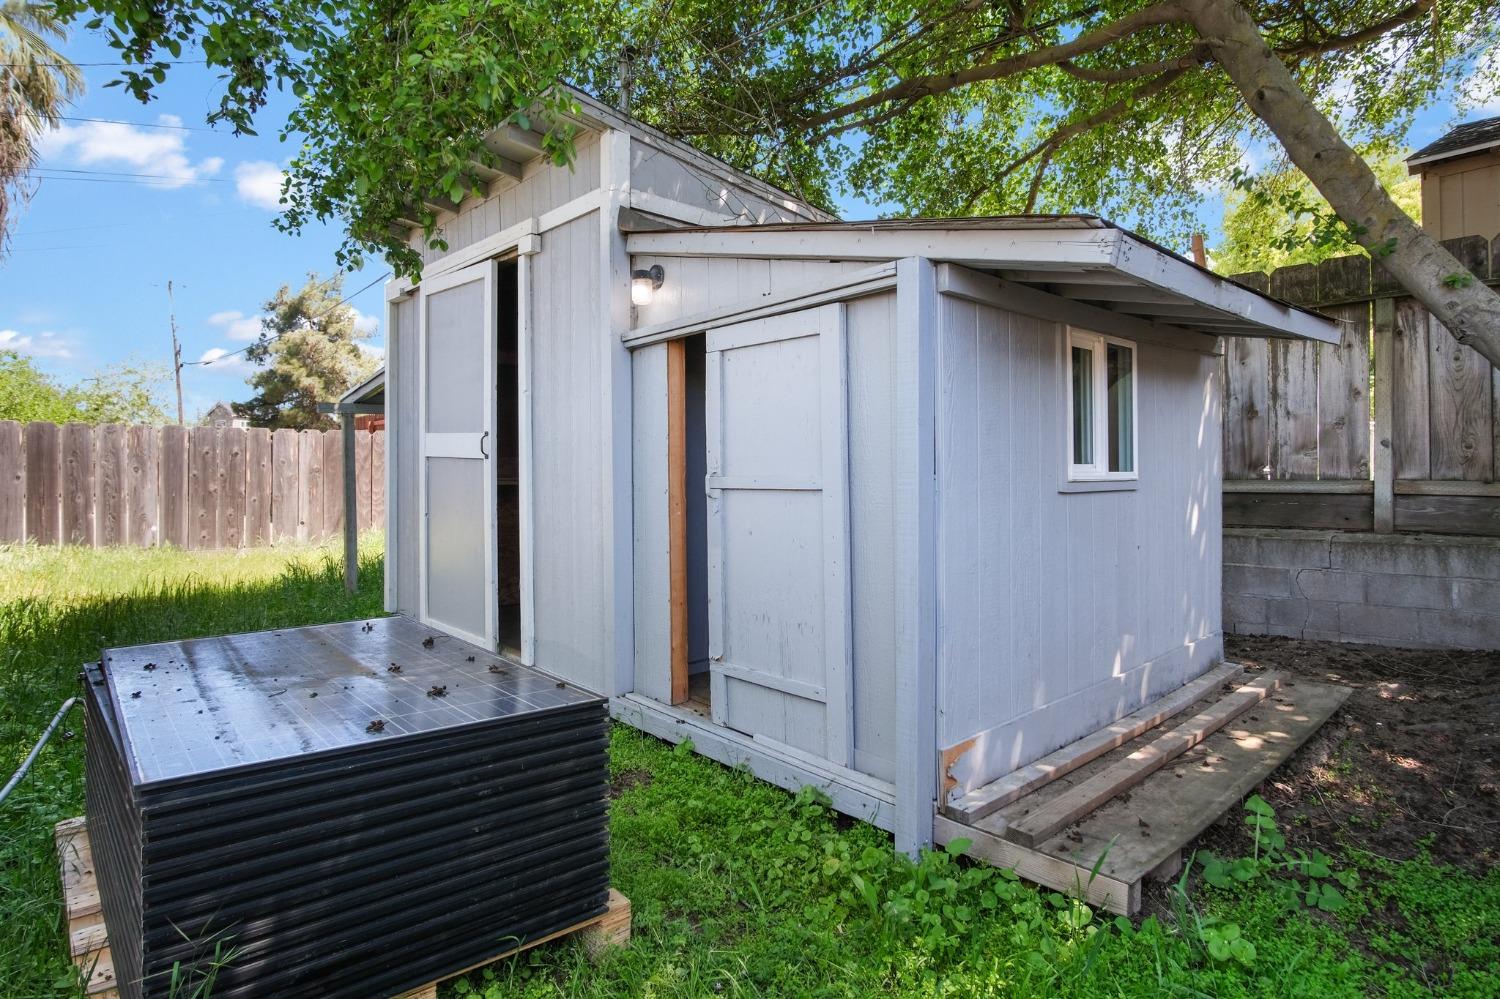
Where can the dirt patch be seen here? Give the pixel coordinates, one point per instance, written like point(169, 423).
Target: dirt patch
point(629, 780)
point(1413, 756)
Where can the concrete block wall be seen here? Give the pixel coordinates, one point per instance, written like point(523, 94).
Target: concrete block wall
point(1411, 591)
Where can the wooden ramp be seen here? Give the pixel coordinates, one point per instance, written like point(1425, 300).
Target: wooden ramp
point(1138, 801)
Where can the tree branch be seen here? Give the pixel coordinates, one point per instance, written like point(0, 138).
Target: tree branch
point(1196, 56)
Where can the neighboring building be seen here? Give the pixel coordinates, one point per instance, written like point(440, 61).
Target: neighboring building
point(222, 415)
point(372, 392)
point(891, 508)
point(1461, 181)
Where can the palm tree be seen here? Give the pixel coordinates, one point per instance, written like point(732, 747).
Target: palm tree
point(35, 83)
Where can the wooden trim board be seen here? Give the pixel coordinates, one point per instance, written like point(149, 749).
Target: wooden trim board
point(997, 794)
point(88, 940)
point(1044, 823)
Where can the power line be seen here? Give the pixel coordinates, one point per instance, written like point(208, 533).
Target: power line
point(126, 173)
point(119, 121)
point(311, 319)
point(119, 65)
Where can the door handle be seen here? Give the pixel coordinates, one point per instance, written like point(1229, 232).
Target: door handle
point(482, 452)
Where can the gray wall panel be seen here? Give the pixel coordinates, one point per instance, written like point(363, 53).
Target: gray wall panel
point(653, 651)
point(408, 478)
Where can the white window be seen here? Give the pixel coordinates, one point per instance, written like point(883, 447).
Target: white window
point(1101, 407)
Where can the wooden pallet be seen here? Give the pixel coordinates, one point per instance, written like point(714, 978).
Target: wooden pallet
point(88, 941)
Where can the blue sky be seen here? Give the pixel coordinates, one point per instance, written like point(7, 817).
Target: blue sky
point(85, 283)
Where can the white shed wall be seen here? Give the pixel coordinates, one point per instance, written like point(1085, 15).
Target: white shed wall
point(1060, 612)
point(657, 176)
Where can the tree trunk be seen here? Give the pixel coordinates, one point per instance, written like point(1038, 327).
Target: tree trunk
point(1464, 304)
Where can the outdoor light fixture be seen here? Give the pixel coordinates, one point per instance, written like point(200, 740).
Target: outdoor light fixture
point(643, 285)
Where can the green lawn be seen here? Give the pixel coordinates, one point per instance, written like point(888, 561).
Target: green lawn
point(738, 888)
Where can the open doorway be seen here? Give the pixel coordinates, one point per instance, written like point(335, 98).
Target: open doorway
point(687, 465)
point(508, 459)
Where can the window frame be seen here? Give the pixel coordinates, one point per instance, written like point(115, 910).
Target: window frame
point(1098, 345)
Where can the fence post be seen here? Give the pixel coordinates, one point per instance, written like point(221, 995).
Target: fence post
point(1382, 457)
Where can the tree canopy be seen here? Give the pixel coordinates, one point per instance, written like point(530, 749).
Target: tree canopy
point(1128, 108)
point(309, 353)
point(123, 393)
point(1278, 218)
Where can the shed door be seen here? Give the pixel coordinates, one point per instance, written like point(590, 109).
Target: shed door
point(778, 526)
point(457, 381)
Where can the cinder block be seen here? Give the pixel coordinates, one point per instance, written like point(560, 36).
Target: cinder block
point(1269, 546)
point(1460, 629)
point(1389, 590)
point(1289, 612)
point(1417, 555)
point(1240, 609)
point(1330, 584)
point(1482, 595)
point(1257, 580)
point(1399, 623)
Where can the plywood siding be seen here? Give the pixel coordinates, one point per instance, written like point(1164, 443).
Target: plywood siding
point(658, 173)
point(653, 672)
point(698, 284)
point(1061, 611)
point(543, 186)
point(572, 584)
point(1461, 197)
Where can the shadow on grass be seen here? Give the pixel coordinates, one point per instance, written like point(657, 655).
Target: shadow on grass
point(43, 642)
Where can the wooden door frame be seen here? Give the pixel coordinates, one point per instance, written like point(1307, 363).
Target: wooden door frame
point(677, 526)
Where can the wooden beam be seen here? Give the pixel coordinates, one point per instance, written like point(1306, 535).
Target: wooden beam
point(514, 135)
point(1100, 891)
point(1070, 806)
point(677, 514)
point(1092, 292)
point(1383, 458)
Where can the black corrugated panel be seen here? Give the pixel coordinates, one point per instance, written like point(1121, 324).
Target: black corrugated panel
point(325, 855)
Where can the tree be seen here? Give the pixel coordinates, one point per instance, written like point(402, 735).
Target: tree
point(123, 393)
point(309, 351)
point(35, 83)
point(1278, 218)
point(946, 105)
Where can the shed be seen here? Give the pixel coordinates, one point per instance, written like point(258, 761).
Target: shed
point(892, 508)
point(1461, 180)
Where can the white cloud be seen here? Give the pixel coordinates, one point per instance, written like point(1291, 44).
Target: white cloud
point(372, 350)
point(259, 183)
point(221, 361)
point(46, 344)
point(161, 153)
point(237, 325)
point(364, 323)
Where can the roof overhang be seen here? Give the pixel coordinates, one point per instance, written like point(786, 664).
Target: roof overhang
point(1079, 258)
point(1415, 164)
point(372, 389)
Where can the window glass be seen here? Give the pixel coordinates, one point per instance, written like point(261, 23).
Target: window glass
point(1120, 378)
point(1083, 406)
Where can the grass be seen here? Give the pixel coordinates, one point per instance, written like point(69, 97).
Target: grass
point(738, 888)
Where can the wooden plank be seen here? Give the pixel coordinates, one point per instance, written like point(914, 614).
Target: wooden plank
point(1247, 408)
point(1044, 823)
point(78, 484)
point(110, 516)
point(43, 484)
point(203, 488)
point(1382, 457)
point(310, 485)
point(1462, 440)
point(333, 482)
point(285, 492)
point(258, 482)
point(377, 487)
point(1314, 511)
point(12, 483)
point(1411, 444)
point(995, 795)
point(364, 488)
point(173, 486)
point(1434, 514)
point(1294, 410)
point(677, 536)
point(234, 447)
point(1343, 397)
point(1102, 892)
point(142, 485)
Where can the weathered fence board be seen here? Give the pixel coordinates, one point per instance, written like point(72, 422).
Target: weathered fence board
point(199, 487)
point(12, 483)
point(1306, 412)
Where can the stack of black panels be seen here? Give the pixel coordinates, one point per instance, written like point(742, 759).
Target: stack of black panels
point(353, 809)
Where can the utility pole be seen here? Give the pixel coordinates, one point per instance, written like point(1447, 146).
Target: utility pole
point(176, 352)
point(626, 68)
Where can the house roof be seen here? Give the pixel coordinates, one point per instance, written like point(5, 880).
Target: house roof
point(372, 389)
point(1469, 138)
point(1078, 257)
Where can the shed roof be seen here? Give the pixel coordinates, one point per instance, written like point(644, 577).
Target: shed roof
point(1464, 140)
point(371, 390)
point(1079, 257)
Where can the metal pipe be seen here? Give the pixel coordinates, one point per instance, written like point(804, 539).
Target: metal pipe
point(15, 779)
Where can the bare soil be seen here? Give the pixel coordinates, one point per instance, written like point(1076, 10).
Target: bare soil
point(1411, 760)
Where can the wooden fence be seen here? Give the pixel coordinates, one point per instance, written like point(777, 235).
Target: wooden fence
point(194, 487)
point(1395, 428)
